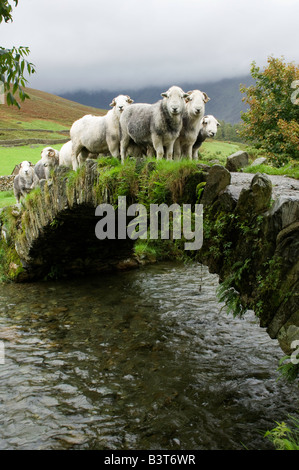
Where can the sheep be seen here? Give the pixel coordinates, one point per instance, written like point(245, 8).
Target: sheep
point(194, 112)
point(49, 160)
point(65, 155)
point(209, 127)
point(98, 134)
point(25, 180)
point(156, 125)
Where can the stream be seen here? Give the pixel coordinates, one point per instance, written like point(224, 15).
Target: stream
point(144, 359)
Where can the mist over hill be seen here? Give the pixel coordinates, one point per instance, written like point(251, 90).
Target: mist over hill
point(225, 96)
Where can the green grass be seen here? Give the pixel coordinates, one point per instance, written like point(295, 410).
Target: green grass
point(33, 129)
point(42, 124)
point(291, 170)
point(11, 156)
point(7, 198)
point(218, 150)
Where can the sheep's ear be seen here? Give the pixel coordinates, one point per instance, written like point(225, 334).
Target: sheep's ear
point(129, 100)
point(218, 123)
point(113, 103)
point(205, 120)
point(31, 164)
point(164, 95)
point(186, 96)
point(206, 98)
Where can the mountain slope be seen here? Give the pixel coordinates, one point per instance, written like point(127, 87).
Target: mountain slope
point(225, 97)
point(44, 106)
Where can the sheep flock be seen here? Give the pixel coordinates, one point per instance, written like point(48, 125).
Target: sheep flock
point(172, 128)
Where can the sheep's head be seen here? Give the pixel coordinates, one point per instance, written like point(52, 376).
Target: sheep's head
point(26, 167)
point(50, 156)
point(210, 125)
point(120, 103)
point(175, 100)
point(196, 101)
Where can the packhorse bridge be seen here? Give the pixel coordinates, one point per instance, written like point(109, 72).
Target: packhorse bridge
point(251, 231)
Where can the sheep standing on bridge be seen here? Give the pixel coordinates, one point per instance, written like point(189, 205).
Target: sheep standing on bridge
point(98, 134)
point(156, 125)
point(25, 180)
point(192, 116)
point(49, 160)
point(208, 128)
point(65, 155)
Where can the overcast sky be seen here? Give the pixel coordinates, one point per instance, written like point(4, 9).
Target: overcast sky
point(97, 44)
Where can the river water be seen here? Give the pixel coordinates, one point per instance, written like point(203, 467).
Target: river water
point(145, 359)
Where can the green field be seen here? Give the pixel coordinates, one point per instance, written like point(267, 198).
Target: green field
point(7, 198)
point(11, 156)
point(218, 150)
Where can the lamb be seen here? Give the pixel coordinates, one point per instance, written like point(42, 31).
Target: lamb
point(98, 134)
point(49, 160)
point(156, 125)
point(194, 112)
point(25, 180)
point(209, 127)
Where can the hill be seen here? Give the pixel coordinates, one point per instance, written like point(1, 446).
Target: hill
point(45, 107)
point(225, 98)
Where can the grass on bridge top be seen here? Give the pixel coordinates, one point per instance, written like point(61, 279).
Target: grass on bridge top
point(11, 156)
point(211, 150)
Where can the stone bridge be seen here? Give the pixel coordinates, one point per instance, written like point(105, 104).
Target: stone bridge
point(251, 232)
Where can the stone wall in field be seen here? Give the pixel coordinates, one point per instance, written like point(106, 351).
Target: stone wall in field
point(6, 183)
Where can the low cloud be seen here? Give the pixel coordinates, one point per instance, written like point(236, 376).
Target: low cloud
point(93, 45)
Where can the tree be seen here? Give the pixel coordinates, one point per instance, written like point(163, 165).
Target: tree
point(13, 63)
point(272, 121)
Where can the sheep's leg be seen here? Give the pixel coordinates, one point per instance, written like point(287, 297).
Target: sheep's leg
point(169, 151)
point(75, 163)
point(158, 146)
point(82, 156)
point(114, 147)
point(189, 152)
point(124, 144)
point(177, 150)
point(195, 153)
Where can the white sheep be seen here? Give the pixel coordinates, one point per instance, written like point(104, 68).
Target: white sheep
point(49, 160)
point(208, 128)
point(25, 180)
point(192, 116)
point(98, 134)
point(156, 125)
point(65, 154)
